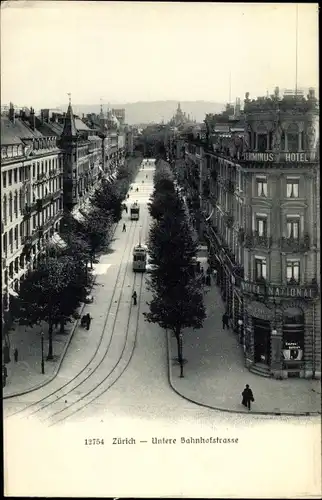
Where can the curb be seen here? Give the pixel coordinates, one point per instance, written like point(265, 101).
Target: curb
point(61, 359)
point(227, 410)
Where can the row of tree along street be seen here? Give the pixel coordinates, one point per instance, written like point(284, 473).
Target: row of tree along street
point(177, 293)
point(62, 280)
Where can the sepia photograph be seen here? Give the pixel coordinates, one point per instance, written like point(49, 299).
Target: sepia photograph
point(160, 249)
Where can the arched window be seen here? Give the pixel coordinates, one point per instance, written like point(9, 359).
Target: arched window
point(262, 132)
point(20, 150)
point(293, 334)
point(292, 138)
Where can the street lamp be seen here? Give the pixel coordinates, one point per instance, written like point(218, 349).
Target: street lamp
point(42, 354)
point(240, 329)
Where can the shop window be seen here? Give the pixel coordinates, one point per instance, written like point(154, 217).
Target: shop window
point(293, 227)
point(293, 272)
point(260, 269)
point(261, 225)
point(292, 188)
point(293, 335)
point(261, 186)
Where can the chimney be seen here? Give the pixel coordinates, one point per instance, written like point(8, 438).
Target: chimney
point(32, 119)
point(11, 113)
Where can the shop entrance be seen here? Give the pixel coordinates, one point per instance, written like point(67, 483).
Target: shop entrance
point(262, 341)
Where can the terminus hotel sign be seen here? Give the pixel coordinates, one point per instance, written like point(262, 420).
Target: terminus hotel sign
point(280, 157)
point(279, 291)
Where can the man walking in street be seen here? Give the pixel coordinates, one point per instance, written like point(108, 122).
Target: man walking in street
point(134, 297)
point(248, 397)
point(225, 321)
point(88, 321)
point(124, 228)
point(15, 355)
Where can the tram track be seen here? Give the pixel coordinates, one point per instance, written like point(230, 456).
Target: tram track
point(130, 237)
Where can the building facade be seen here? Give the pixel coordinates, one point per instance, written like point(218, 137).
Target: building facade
point(31, 197)
point(254, 184)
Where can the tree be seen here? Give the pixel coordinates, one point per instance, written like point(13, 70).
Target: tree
point(108, 198)
point(51, 293)
point(96, 229)
point(165, 199)
point(177, 301)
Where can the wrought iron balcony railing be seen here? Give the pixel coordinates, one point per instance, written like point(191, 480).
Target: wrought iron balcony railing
point(255, 240)
point(295, 244)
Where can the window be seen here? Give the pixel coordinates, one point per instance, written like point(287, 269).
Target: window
point(34, 170)
point(260, 268)
point(5, 244)
point(38, 169)
point(261, 225)
point(261, 186)
point(10, 177)
point(10, 207)
point(15, 175)
point(4, 179)
point(16, 236)
point(292, 188)
point(15, 204)
point(21, 172)
point(34, 221)
point(262, 143)
point(4, 209)
point(293, 227)
point(293, 138)
point(293, 271)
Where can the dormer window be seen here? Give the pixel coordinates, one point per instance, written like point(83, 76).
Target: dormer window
point(3, 152)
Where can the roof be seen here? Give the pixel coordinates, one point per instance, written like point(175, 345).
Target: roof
point(12, 133)
point(69, 125)
point(51, 128)
point(80, 125)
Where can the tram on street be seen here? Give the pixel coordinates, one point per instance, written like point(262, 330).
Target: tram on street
point(135, 211)
point(139, 257)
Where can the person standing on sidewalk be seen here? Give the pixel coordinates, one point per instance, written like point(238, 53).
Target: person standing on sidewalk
point(225, 321)
point(15, 355)
point(248, 396)
point(124, 228)
point(88, 321)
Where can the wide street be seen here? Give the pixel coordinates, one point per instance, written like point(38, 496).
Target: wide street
point(113, 383)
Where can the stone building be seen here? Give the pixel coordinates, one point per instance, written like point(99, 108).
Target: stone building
point(31, 197)
point(254, 184)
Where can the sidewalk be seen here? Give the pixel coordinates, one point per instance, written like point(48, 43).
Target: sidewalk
point(215, 375)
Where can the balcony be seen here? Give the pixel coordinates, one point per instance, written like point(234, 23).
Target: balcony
point(255, 240)
point(26, 212)
point(295, 245)
point(230, 186)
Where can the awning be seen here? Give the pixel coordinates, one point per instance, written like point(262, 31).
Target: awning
point(57, 240)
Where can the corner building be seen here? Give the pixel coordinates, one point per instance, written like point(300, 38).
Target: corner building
point(259, 212)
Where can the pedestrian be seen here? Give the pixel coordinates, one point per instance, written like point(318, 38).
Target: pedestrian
point(248, 397)
point(225, 321)
point(84, 320)
point(124, 228)
point(15, 355)
point(208, 280)
point(134, 297)
point(146, 176)
point(88, 322)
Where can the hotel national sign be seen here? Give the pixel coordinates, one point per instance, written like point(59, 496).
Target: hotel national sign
point(309, 292)
point(279, 157)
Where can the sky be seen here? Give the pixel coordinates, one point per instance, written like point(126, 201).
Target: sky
point(123, 52)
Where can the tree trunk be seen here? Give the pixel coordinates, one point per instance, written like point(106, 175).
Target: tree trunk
point(62, 326)
point(50, 341)
point(179, 346)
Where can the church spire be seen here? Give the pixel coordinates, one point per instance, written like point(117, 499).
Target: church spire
point(69, 125)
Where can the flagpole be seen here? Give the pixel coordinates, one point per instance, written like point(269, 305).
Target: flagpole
point(296, 50)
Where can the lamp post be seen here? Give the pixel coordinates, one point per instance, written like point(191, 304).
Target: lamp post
point(42, 354)
point(181, 358)
point(240, 330)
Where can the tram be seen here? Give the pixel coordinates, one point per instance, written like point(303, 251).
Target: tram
point(135, 211)
point(139, 257)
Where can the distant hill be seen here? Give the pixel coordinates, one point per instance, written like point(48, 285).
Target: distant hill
point(154, 111)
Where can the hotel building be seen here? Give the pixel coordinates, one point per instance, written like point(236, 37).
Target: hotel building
point(254, 183)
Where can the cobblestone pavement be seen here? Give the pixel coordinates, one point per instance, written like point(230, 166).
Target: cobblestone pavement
point(215, 374)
